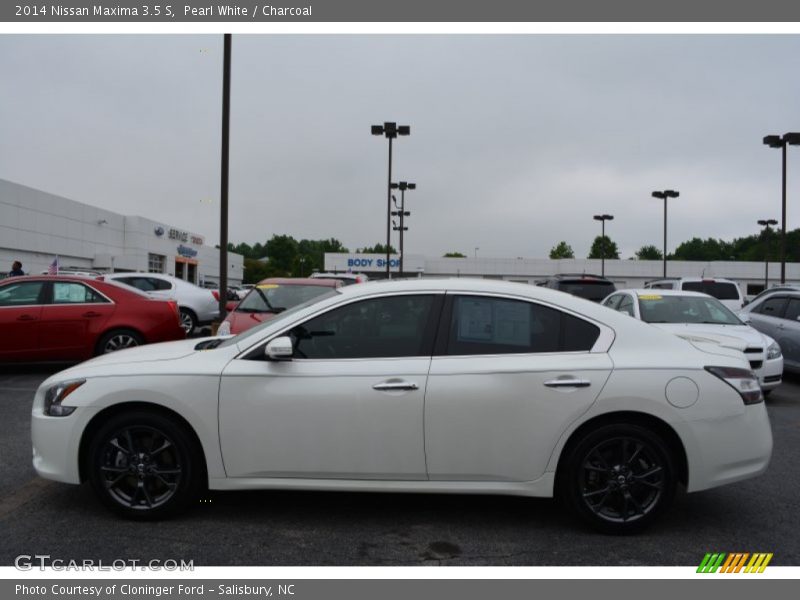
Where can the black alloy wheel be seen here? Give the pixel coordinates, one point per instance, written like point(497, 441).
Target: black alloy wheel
point(144, 465)
point(619, 478)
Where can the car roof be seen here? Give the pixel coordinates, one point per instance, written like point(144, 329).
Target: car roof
point(301, 281)
point(679, 279)
point(651, 292)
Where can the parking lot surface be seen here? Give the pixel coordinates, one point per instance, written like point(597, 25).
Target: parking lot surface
point(305, 528)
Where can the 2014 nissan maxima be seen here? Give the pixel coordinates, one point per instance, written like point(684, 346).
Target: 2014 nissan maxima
point(448, 386)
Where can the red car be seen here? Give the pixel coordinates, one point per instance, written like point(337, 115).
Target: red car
point(54, 317)
point(270, 297)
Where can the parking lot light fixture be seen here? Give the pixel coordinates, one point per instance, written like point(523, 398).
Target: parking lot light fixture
point(664, 195)
point(766, 224)
point(777, 141)
point(402, 213)
point(603, 218)
point(390, 131)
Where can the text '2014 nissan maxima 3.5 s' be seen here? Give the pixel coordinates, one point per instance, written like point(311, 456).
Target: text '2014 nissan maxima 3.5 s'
point(442, 386)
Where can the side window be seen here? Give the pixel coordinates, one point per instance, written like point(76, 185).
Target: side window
point(792, 309)
point(21, 294)
point(375, 328)
point(484, 325)
point(626, 306)
point(155, 283)
point(74, 293)
point(772, 307)
point(613, 301)
point(136, 282)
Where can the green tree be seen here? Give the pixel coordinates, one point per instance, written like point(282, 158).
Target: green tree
point(376, 249)
point(454, 255)
point(562, 250)
point(282, 251)
point(649, 252)
point(603, 246)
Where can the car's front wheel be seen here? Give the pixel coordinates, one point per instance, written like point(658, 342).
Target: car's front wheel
point(618, 478)
point(144, 465)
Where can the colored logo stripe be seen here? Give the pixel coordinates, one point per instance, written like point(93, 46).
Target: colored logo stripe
point(734, 562)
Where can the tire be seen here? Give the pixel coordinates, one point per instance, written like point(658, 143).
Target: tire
point(618, 478)
point(144, 465)
point(118, 339)
point(188, 321)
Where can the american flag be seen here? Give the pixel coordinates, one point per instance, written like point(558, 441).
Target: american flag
point(53, 268)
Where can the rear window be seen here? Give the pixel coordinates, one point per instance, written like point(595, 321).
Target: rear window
point(721, 290)
point(588, 289)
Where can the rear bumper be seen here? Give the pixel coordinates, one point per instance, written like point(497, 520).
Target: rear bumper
point(722, 451)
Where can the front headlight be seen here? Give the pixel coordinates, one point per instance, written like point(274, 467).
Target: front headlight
point(56, 394)
point(773, 351)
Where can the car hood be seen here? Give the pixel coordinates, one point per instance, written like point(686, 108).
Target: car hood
point(736, 337)
point(242, 321)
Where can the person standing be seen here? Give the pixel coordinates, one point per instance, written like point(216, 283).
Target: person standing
point(16, 269)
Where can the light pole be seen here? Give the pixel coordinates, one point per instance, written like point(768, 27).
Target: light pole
point(765, 223)
point(776, 141)
point(402, 213)
point(664, 195)
point(603, 219)
point(223, 194)
point(391, 131)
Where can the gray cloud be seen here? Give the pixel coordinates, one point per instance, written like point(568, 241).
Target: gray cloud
point(516, 140)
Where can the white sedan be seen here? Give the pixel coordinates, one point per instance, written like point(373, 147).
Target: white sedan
point(442, 386)
point(696, 316)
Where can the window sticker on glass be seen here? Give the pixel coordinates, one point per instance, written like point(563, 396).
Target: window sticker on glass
point(650, 297)
point(475, 322)
point(69, 293)
point(513, 321)
point(268, 286)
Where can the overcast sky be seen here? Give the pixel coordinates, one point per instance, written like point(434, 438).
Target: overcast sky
point(516, 141)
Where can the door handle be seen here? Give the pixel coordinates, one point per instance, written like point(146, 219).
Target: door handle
point(395, 386)
point(91, 313)
point(26, 318)
point(563, 383)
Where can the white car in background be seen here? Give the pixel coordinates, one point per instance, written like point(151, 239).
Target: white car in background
point(198, 306)
point(700, 317)
point(726, 291)
point(439, 386)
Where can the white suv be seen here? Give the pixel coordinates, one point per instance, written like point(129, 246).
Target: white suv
point(724, 290)
point(198, 306)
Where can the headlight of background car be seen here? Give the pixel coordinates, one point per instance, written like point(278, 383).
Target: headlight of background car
point(774, 351)
point(56, 394)
point(224, 328)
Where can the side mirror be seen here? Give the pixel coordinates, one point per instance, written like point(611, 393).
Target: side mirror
point(746, 320)
point(279, 349)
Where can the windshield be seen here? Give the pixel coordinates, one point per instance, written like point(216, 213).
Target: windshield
point(277, 320)
point(685, 309)
point(273, 297)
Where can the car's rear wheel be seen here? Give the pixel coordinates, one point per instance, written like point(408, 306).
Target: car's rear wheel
point(188, 321)
point(118, 339)
point(144, 465)
point(618, 478)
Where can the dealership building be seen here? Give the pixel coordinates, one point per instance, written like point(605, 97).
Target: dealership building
point(36, 227)
point(624, 273)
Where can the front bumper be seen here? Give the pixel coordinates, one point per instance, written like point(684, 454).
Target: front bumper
point(770, 373)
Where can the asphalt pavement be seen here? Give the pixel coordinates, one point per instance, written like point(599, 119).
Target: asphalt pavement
point(326, 528)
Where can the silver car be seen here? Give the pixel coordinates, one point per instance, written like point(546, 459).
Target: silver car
point(778, 316)
point(198, 306)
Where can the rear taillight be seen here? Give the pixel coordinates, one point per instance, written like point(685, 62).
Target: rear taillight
point(215, 293)
point(174, 306)
point(743, 381)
